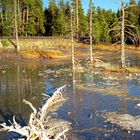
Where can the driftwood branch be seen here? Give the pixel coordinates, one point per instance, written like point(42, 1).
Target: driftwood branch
point(41, 125)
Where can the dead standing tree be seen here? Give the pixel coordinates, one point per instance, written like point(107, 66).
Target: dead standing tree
point(122, 38)
point(16, 25)
point(128, 30)
point(77, 19)
point(90, 30)
point(72, 39)
point(124, 29)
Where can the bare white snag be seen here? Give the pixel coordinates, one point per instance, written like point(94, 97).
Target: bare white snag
point(122, 38)
point(72, 39)
point(42, 125)
point(16, 26)
point(90, 32)
point(77, 18)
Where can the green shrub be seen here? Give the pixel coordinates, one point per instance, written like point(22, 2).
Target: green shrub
point(5, 43)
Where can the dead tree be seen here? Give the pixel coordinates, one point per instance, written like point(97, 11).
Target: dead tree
point(42, 124)
point(16, 26)
point(90, 32)
point(122, 38)
point(124, 29)
point(77, 19)
point(72, 39)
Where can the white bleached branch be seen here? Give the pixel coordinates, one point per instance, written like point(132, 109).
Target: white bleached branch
point(42, 126)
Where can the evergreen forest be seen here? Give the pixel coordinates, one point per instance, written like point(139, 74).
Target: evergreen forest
point(33, 19)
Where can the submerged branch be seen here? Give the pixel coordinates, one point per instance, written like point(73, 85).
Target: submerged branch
point(30, 104)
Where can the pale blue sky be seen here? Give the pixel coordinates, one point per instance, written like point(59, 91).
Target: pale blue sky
point(106, 4)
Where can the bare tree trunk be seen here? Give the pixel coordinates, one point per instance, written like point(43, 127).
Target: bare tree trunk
point(90, 32)
point(72, 40)
point(27, 18)
point(122, 38)
point(19, 15)
point(6, 15)
point(1, 17)
point(16, 26)
point(77, 19)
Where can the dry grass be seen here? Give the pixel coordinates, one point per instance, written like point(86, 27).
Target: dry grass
point(116, 48)
point(30, 55)
point(113, 68)
point(52, 54)
point(116, 68)
point(133, 69)
point(107, 47)
point(49, 54)
point(31, 44)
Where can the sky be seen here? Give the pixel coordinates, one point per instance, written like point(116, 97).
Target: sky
point(106, 4)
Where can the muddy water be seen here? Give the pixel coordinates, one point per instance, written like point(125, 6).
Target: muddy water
point(89, 94)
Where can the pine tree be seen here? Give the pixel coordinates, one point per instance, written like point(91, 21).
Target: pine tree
point(132, 12)
point(62, 21)
point(34, 21)
point(52, 15)
point(61, 26)
point(7, 18)
point(30, 20)
point(82, 20)
point(97, 30)
point(105, 37)
point(101, 26)
point(114, 28)
point(138, 16)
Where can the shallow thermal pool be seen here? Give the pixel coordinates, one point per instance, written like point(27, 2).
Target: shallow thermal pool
point(89, 94)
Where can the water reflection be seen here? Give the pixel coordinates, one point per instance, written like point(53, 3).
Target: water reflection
point(89, 94)
point(96, 92)
point(15, 85)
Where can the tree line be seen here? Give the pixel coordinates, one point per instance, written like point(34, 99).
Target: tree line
point(55, 20)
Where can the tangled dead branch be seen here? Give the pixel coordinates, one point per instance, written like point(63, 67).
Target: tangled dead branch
point(42, 125)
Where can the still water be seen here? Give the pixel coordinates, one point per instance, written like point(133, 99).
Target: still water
point(89, 94)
